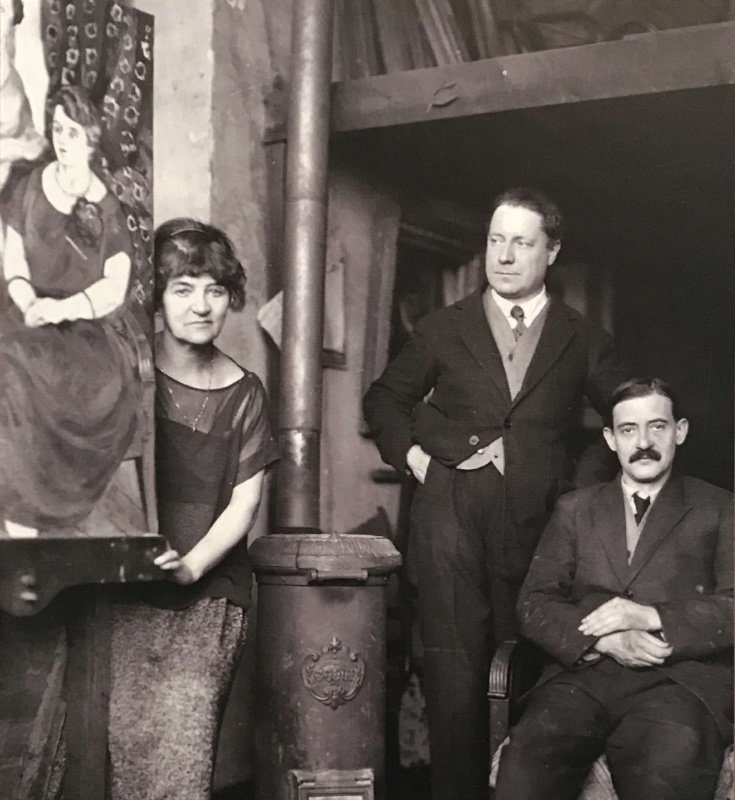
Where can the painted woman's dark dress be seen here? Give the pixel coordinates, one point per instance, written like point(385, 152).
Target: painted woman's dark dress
point(69, 393)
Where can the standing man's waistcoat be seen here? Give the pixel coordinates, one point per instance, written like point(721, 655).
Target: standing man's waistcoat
point(453, 352)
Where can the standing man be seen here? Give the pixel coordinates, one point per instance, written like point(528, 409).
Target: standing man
point(507, 369)
point(630, 594)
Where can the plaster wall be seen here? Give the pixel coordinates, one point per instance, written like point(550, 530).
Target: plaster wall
point(238, 168)
point(182, 119)
point(278, 25)
point(349, 495)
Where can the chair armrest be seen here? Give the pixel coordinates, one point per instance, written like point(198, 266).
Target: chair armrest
point(143, 350)
point(515, 668)
point(145, 370)
point(499, 680)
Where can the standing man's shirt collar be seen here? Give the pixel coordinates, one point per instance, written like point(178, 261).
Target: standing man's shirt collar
point(532, 307)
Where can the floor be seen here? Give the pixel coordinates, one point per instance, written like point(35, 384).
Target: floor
point(408, 784)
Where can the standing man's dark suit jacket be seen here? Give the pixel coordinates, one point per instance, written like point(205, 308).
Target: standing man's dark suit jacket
point(453, 352)
point(682, 565)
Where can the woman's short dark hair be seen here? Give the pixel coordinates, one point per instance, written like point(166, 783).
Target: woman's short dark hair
point(17, 12)
point(534, 200)
point(185, 246)
point(80, 109)
point(641, 387)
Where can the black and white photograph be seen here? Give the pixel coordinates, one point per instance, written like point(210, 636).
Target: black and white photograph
point(367, 389)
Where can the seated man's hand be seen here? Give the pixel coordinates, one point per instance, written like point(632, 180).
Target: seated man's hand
point(418, 462)
point(620, 614)
point(634, 648)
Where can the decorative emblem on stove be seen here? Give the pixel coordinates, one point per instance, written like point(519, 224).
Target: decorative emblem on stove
point(333, 676)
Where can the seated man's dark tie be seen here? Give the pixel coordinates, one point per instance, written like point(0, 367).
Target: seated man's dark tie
point(641, 506)
point(517, 313)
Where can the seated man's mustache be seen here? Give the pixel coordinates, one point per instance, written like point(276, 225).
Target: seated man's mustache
point(645, 452)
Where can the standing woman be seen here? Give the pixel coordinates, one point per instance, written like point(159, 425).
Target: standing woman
point(175, 647)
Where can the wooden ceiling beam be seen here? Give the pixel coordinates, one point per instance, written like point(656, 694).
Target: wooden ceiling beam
point(683, 58)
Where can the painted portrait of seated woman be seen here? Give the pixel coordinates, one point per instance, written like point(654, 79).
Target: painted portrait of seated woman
point(69, 391)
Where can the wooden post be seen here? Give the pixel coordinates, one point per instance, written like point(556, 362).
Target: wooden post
point(87, 690)
point(40, 758)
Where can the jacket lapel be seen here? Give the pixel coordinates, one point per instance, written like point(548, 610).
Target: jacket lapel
point(555, 336)
point(475, 332)
point(666, 512)
point(608, 524)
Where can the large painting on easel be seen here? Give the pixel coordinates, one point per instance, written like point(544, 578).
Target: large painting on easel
point(76, 296)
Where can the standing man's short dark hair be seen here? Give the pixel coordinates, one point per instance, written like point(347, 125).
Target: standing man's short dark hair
point(534, 200)
point(509, 368)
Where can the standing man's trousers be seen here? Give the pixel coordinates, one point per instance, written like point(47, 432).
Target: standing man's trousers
point(464, 614)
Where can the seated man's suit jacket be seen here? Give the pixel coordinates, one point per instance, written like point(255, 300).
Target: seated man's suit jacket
point(453, 354)
point(682, 565)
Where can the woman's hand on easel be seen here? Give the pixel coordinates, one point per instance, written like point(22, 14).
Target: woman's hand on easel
point(176, 565)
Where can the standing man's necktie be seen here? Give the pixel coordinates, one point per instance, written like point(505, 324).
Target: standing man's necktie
point(517, 313)
point(641, 506)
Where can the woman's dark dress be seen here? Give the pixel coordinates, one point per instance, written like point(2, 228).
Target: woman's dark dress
point(69, 393)
point(173, 657)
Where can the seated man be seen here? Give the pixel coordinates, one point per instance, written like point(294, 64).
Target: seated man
point(630, 594)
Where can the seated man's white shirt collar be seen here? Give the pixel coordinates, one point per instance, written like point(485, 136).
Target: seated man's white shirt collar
point(629, 491)
point(531, 307)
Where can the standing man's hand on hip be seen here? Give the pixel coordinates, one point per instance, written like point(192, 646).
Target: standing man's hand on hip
point(418, 462)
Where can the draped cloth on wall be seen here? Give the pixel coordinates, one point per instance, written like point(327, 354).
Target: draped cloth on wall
point(460, 282)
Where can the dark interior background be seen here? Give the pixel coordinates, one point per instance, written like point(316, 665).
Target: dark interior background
point(647, 185)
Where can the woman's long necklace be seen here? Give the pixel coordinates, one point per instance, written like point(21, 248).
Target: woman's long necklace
point(204, 404)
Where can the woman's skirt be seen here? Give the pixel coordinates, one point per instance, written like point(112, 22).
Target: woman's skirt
point(171, 673)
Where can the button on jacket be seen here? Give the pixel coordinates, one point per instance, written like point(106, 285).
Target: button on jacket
point(453, 352)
